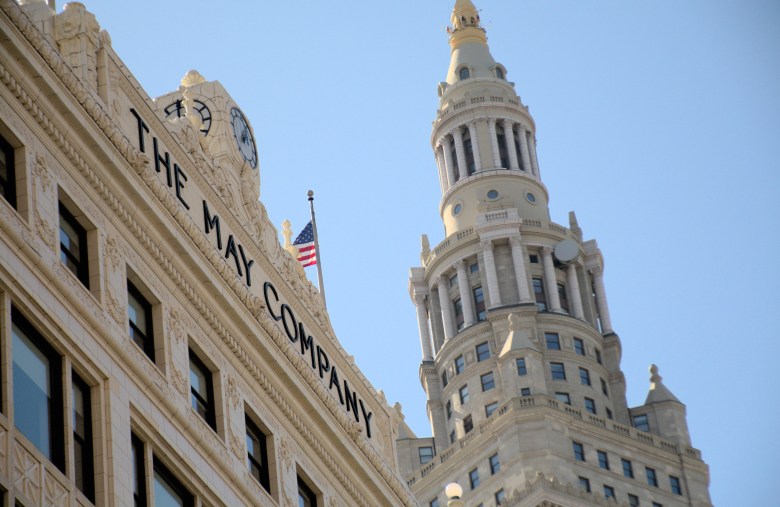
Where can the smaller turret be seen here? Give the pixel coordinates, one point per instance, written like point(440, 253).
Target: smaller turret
point(663, 412)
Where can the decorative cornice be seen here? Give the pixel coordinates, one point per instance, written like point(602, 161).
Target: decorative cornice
point(141, 164)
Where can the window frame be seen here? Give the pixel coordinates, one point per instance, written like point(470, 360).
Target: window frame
point(578, 449)
point(556, 373)
point(585, 376)
point(579, 346)
point(495, 464)
point(540, 296)
point(525, 391)
point(55, 406)
point(146, 306)
point(652, 477)
point(463, 73)
point(263, 475)
point(479, 303)
point(641, 422)
point(429, 457)
point(463, 393)
point(468, 424)
point(560, 397)
point(491, 408)
point(590, 406)
point(584, 483)
point(8, 190)
point(603, 458)
point(84, 442)
point(308, 491)
point(628, 468)
point(484, 353)
point(609, 491)
point(82, 261)
point(522, 368)
point(488, 381)
point(474, 478)
point(552, 341)
point(460, 364)
point(210, 416)
point(633, 500)
point(159, 469)
point(675, 485)
point(138, 455)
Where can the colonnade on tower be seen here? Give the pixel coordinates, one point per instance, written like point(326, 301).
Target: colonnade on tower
point(520, 361)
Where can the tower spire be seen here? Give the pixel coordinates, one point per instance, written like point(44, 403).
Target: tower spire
point(465, 24)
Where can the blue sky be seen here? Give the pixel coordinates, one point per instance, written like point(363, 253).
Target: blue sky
point(657, 122)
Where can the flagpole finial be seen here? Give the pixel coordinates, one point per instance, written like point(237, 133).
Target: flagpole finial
point(310, 193)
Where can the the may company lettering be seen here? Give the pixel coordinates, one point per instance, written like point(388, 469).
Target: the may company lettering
point(317, 357)
point(176, 179)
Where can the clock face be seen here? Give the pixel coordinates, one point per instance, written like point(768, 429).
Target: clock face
point(177, 110)
point(243, 135)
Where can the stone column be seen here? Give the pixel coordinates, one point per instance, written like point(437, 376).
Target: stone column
point(460, 153)
point(509, 135)
point(494, 142)
point(518, 259)
point(524, 150)
point(446, 311)
point(532, 149)
point(573, 286)
point(422, 324)
point(475, 146)
point(448, 162)
point(601, 300)
point(550, 284)
point(442, 169)
point(465, 294)
point(490, 273)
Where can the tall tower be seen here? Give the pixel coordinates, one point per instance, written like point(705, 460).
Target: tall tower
point(520, 363)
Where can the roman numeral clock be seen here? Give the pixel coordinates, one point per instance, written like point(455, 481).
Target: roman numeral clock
point(243, 135)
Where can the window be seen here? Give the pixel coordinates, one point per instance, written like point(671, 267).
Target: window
point(521, 369)
point(464, 394)
point(499, 73)
point(434, 503)
point(641, 423)
point(83, 469)
point(464, 73)
point(500, 497)
point(257, 454)
point(444, 380)
point(584, 376)
point(168, 491)
point(483, 351)
point(557, 371)
point(488, 382)
point(603, 460)
point(541, 299)
point(604, 387)
point(533, 258)
point(458, 306)
point(563, 397)
point(426, 454)
point(469, 152)
point(139, 314)
point(579, 451)
point(454, 281)
point(590, 405)
point(459, 365)
point(448, 407)
point(553, 341)
point(474, 268)
point(73, 245)
point(585, 484)
point(474, 478)
point(633, 500)
point(37, 380)
point(479, 303)
point(139, 480)
point(495, 464)
point(490, 408)
point(202, 391)
point(452, 436)
point(674, 483)
point(656, 504)
point(562, 297)
point(652, 479)
point(609, 413)
point(579, 346)
point(503, 154)
point(306, 497)
point(628, 468)
point(7, 172)
point(525, 391)
point(598, 356)
point(609, 491)
point(468, 424)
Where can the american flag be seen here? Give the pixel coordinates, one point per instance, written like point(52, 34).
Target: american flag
point(307, 254)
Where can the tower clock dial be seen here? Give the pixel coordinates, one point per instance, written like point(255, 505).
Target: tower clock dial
point(244, 138)
point(177, 110)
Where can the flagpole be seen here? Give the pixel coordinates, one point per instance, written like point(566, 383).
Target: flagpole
point(317, 248)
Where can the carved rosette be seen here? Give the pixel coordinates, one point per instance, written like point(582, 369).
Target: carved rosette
point(232, 391)
point(284, 450)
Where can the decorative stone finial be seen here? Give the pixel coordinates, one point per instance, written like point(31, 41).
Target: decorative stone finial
point(287, 233)
point(425, 250)
point(192, 78)
point(654, 376)
point(658, 391)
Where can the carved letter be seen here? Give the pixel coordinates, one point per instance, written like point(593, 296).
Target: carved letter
point(334, 381)
point(286, 310)
point(178, 176)
point(322, 365)
point(266, 286)
point(351, 401)
point(166, 161)
point(231, 249)
point(247, 265)
point(366, 418)
point(141, 128)
point(307, 343)
point(213, 223)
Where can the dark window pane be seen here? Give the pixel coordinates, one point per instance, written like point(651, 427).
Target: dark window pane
point(202, 393)
point(73, 245)
point(257, 454)
point(82, 439)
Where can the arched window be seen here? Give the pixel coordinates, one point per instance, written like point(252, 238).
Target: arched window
point(454, 158)
point(499, 73)
point(464, 73)
point(469, 149)
point(502, 147)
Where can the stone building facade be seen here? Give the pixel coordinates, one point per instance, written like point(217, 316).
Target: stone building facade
point(520, 362)
point(157, 344)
